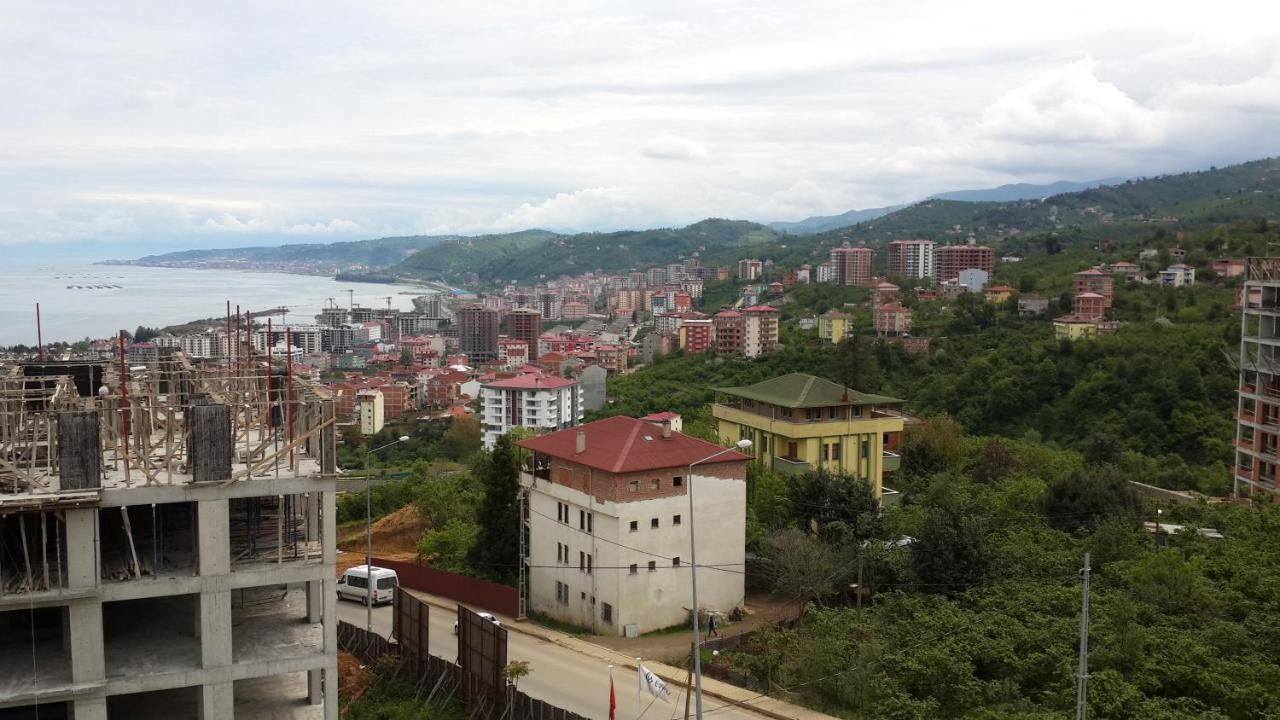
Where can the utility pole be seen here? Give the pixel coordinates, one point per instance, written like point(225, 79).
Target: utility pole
point(522, 497)
point(1082, 679)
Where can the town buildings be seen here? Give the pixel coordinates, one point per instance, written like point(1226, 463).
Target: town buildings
point(730, 329)
point(760, 330)
point(1032, 305)
point(541, 403)
point(801, 422)
point(952, 259)
point(891, 319)
point(912, 259)
point(370, 409)
point(1093, 280)
point(609, 522)
point(478, 333)
point(696, 335)
point(853, 265)
point(750, 269)
point(192, 576)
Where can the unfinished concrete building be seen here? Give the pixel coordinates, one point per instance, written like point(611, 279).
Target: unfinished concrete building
point(166, 542)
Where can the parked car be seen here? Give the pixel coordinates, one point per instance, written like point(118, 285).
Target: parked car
point(484, 615)
point(354, 584)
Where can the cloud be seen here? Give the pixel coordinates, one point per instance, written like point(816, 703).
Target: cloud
point(671, 147)
point(337, 226)
point(1069, 104)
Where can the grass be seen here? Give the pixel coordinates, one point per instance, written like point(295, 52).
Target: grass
point(567, 628)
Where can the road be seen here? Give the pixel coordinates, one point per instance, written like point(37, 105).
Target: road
point(576, 682)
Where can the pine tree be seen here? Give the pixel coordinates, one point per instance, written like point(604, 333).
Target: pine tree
point(496, 551)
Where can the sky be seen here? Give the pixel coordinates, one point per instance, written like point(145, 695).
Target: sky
point(144, 126)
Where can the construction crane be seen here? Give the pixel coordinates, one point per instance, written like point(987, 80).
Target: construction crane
point(351, 299)
point(388, 299)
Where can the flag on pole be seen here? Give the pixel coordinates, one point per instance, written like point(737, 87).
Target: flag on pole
point(613, 699)
point(654, 684)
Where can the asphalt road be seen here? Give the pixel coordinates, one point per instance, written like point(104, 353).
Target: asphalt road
point(576, 682)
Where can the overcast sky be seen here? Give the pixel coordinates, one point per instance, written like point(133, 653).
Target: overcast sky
point(227, 123)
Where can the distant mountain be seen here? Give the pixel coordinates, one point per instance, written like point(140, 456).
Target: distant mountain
point(318, 258)
point(1024, 191)
point(536, 254)
point(822, 223)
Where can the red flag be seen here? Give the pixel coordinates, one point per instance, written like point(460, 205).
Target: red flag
point(613, 699)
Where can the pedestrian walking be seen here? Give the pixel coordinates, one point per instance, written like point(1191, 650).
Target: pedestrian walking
point(711, 627)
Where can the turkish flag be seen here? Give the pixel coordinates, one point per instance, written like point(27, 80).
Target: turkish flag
point(613, 699)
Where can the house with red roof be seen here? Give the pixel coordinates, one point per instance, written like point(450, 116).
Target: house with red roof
point(610, 519)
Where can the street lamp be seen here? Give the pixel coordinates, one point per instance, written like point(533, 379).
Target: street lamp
point(693, 573)
point(368, 527)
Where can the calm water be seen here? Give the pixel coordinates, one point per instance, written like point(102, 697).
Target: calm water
point(99, 300)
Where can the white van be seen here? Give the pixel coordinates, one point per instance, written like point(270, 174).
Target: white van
point(354, 584)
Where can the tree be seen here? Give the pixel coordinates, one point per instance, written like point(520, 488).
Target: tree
point(950, 553)
point(933, 448)
point(1086, 497)
point(849, 365)
point(819, 498)
point(406, 357)
point(462, 439)
point(800, 566)
point(496, 551)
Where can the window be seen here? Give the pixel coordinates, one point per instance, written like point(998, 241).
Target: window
point(864, 449)
point(826, 452)
point(582, 561)
point(675, 562)
point(582, 519)
point(634, 568)
point(386, 583)
point(562, 593)
point(606, 613)
point(588, 564)
point(677, 481)
point(654, 484)
point(583, 595)
point(635, 525)
point(675, 519)
point(591, 525)
point(653, 566)
point(835, 451)
point(633, 486)
point(356, 581)
point(559, 512)
point(764, 444)
point(653, 523)
point(857, 411)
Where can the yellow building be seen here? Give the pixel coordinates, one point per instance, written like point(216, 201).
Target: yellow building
point(999, 294)
point(831, 326)
point(1074, 327)
point(800, 422)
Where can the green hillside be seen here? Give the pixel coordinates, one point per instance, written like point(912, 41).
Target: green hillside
point(380, 252)
point(535, 254)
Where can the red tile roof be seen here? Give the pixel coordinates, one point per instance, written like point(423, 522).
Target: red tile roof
point(623, 444)
point(531, 382)
point(762, 308)
point(660, 416)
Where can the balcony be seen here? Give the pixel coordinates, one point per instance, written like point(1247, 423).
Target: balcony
point(791, 466)
point(890, 461)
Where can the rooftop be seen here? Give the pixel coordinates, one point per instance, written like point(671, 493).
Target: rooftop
point(531, 381)
point(797, 390)
point(623, 444)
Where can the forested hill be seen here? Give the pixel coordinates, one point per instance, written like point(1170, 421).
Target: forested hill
point(377, 253)
point(536, 254)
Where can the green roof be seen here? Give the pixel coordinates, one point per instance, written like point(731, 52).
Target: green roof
point(798, 390)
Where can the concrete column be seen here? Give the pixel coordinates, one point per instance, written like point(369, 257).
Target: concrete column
point(217, 702)
point(313, 515)
point(82, 548)
point(215, 531)
point(215, 629)
point(315, 689)
point(84, 623)
point(329, 526)
point(90, 709)
point(331, 690)
point(330, 594)
point(315, 606)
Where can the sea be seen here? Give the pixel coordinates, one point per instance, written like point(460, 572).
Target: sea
point(97, 301)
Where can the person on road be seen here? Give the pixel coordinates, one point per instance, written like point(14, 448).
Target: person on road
point(711, 627)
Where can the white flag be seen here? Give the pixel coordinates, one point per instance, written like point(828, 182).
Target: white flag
point(653, 683)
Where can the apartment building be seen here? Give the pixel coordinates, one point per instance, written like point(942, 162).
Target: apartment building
point(1178, 276)
point(513, 352)
point(760, 330)
point(1093, 280)
point(952, 259)
point(912, 259)
point(891, 320)
point(697, 335)
point(750, 269)
point(1257, 445)
point(191, 575)
point(478, 333)
point(525, 324)
point(541, 403)
point(853, 265)
point(831, 326)
point(609, 521)
point(800, 422)
point(729, 332)
point(370, 411)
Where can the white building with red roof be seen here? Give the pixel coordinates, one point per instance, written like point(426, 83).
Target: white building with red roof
point(541, 403)
point(609, 525)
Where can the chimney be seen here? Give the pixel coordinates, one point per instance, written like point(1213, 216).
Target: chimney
point(666, 428)
point(582, 443)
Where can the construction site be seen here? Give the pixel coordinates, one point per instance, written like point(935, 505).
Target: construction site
point(166, 539)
